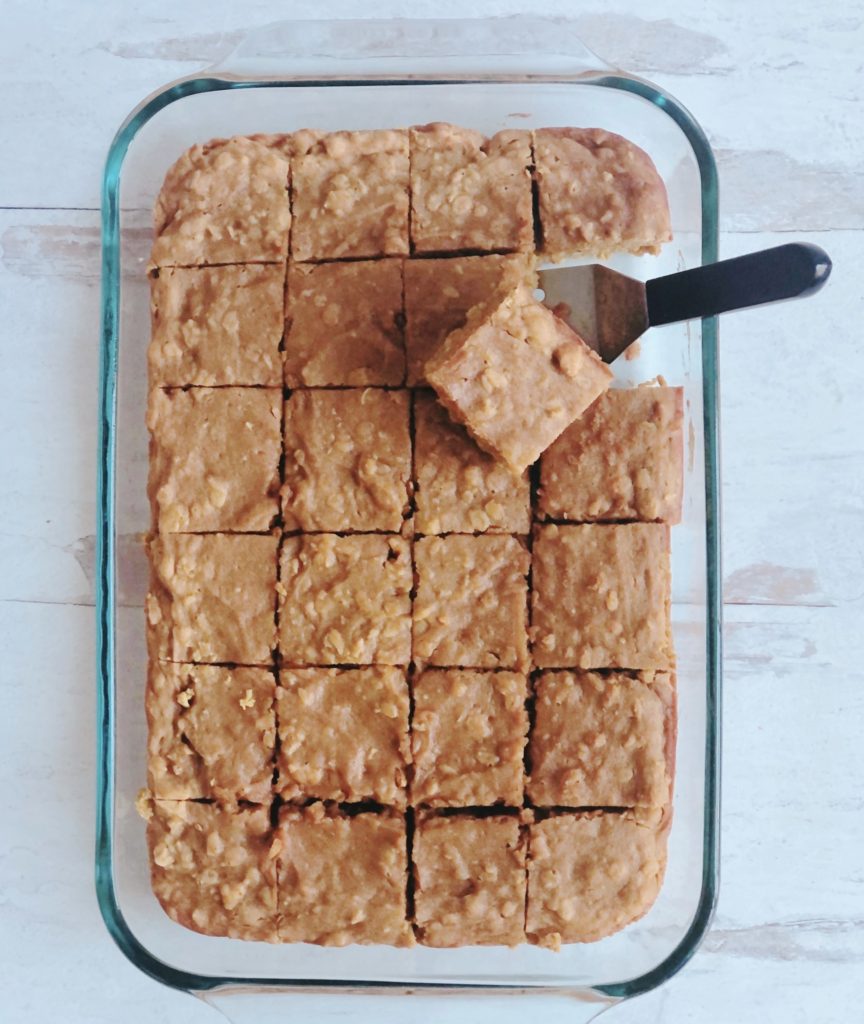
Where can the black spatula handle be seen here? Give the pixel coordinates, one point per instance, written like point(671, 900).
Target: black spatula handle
point(785, 272)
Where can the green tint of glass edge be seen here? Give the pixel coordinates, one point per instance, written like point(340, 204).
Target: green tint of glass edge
point(105, 550)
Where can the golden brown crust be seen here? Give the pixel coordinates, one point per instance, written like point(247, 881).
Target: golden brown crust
point(212, 870)
point(344, 324)
point(347, 460)
point(212, 598)
point(212, 732)
point(214, 459)
point(342, 879)
point(469, 881)
point(216, 326)
point(350, 195)
point(516, 376)
point(590, 875)
point(471, 602)
point(467, 738)
point(223, 202)
point(598, 194)
point(343, 734)
point(622, 459)
point(460, 487)
point(328, 612)
point(469, 192)
point(601, 596)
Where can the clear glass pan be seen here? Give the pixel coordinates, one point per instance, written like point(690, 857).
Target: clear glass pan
point(486, 75)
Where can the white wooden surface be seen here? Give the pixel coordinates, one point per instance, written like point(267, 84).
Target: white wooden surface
point(778, 86)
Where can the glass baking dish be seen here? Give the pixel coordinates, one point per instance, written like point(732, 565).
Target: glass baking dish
point(487, 75)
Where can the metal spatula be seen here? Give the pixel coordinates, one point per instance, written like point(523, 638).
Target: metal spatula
point(610, 310)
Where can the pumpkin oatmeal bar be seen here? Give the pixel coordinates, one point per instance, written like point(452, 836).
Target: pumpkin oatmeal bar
point(469, 192)
point(598, 194)
point(471, 602)
point(212, 732)
point(349, 195)
point(622, 459)
point(460, 488)
point(591, 874)
point(216, 326)
point(212, 598)
point(467, 738)
point(347, 460)
point(601, 740)
point(212, 868)
point(469, 880)
point(342, 878)
point(214, 460)
point(329, 614)
point(343, 734)
point(439, 294)
point(601, 596)
point(516, 375)
point(223, 202)
point(344, 324)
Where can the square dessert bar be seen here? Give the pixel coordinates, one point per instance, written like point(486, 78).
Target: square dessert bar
point(467, 738)
point(469, 192)
point(329, 611)
point(469, 877)
point(212, 869)
point(223, 202)
point(349, 195)
point(440, 293)
point(347, 460)
point(598, 194)
point(460, 488)
point(591, 874)
point(344, 324)
point(601, 596)
point(622, 459)
point(212, 598)
point(516, 375)
point(602, 740)
point(471, 602)
point(342, 878)
point(212, 732)
point(343, 734)
point(214, 461)
point(216, 325)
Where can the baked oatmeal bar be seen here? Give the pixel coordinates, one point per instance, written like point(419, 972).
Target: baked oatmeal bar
point(345, 600)
point(516, 376)
point(591, 874)
point(469, 192)
point(212, 598)
point(469, 881)
point(212, 732)
point(214, 459)
point(598, 194)
point(601, 596)
point(440, 293)
point(347, 460)
point(459, 487)
point(349, 195)
point(622, 459)
point(343, 734)
point(345, 324)
point(467, 738)
point(601, 740)
point(342, 878)
point(471, 602)
point(216, 325)
point(212, 870)
point(223, 202)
